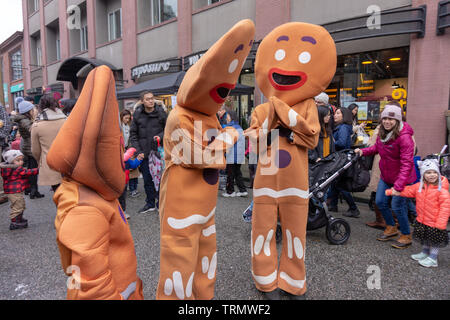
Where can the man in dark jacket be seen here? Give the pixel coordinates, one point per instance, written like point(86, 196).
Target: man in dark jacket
point(149, 121)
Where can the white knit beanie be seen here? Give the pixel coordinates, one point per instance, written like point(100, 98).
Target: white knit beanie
point(424, 166)
point(11, 155)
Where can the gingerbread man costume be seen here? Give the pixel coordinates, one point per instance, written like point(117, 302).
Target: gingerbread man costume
point(93, 236)
point(294, 63)
point(193, 144)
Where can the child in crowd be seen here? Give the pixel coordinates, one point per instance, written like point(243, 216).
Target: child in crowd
point(15, 181)
point(433, 211)
point(131, 162)
point(133, 182)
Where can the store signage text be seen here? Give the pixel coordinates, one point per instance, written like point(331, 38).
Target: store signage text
point(193, 60)
point(73, 17)
point(150, 68)
point(400, 95)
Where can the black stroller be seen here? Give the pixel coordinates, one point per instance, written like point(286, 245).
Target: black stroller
point(336, 167)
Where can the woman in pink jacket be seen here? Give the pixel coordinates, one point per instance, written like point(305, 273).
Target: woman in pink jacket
point(395, 146)
point(433, 211)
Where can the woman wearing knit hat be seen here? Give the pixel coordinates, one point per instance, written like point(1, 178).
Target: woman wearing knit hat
point(395, 146)
point(24, 121)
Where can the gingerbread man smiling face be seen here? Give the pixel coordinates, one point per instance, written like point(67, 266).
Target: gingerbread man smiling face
point(295, 61)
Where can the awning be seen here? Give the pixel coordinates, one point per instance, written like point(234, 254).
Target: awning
point(169, 84)
point(70, 67)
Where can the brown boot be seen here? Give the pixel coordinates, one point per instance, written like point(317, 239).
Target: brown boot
point(389, 233)
point(379, 222)
point(403, 242)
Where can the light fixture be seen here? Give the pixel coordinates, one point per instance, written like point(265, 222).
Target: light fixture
point(367, 62)
point(395, 59)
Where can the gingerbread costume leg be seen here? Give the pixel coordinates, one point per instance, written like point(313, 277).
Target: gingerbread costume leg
point(205, 273)
point(292, 275)
point(263, 246)
point(188, 258)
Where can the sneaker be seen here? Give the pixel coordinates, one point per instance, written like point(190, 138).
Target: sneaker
point(419, 256)
point(18, 225)
point(428, 262)
point(229, 195)
point(242, 194)
point(134, 194)
point(352, 213)
point(147, 208)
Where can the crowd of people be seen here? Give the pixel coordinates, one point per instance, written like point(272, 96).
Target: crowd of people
point(31, 130)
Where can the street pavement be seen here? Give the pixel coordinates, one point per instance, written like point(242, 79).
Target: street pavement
point(30, 267)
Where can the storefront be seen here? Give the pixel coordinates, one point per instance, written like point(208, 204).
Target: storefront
point(370, 80)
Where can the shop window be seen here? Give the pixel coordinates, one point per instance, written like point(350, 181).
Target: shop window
point(371, 79)
point(16, 65)
point(115, 25)
point(198, 4)
point(163, 10)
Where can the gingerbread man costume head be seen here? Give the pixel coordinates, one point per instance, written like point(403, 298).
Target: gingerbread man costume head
point(295, 61)
point(89, 147)
point(208, 83)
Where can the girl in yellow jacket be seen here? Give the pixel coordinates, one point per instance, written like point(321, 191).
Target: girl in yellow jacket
point(433, 211)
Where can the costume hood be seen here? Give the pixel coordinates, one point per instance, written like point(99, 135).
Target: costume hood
point(89, 147)
point(208, 83)
point(295, 61)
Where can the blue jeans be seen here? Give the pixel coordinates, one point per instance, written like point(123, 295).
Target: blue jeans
point(149, 187)
point(399, 205)
point(132, 184)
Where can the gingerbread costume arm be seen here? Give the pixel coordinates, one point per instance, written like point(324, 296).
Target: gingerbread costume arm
point(306, 129)
point(193, 151)
point(85, 232)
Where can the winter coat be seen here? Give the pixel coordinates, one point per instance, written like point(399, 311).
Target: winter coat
point(144, 127)
point(432, 205)
point(15, 179)
point(317, 153)
point(131, 164)
point(396, 158)
point(43, 132)
point(342, 136)
point(236, 155)
point(24, 123)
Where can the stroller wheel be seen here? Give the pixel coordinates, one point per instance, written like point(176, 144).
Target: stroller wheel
point(338, 231)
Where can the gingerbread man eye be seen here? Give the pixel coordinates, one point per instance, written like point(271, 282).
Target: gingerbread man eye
point(280, 55)
point(304, 57)
point(233, 66)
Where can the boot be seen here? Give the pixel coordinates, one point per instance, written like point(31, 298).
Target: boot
point(403, 242)
point(36, 195)
point(272, 295)
point(3, 200)
point(379, 222)
point(21, 219)
point(389, 233)
point(17, 224)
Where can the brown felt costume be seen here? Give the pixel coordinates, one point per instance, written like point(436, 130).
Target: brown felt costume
point(93, 235)
point(294, 63)
point(189, 185)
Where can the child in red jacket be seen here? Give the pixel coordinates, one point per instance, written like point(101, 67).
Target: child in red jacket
point(433, 211)
point(15, 181)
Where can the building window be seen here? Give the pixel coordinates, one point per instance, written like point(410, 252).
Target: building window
point(163, 10)
point(39, 56)
point(58, 49)
point(16, 65)
point(198, 4)
point(33, 6)
point(115, 25)
point(370, 80)
point(84, 38)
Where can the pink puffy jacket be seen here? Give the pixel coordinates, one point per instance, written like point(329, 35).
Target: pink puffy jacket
point(433, 206)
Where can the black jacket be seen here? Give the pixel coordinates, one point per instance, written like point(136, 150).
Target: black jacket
point(145, 126)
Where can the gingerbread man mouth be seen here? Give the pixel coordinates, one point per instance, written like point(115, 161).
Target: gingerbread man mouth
point(221, 92)
point(287, 80)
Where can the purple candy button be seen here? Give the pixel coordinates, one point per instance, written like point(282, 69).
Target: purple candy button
point(283, 160)
point(211, 176)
